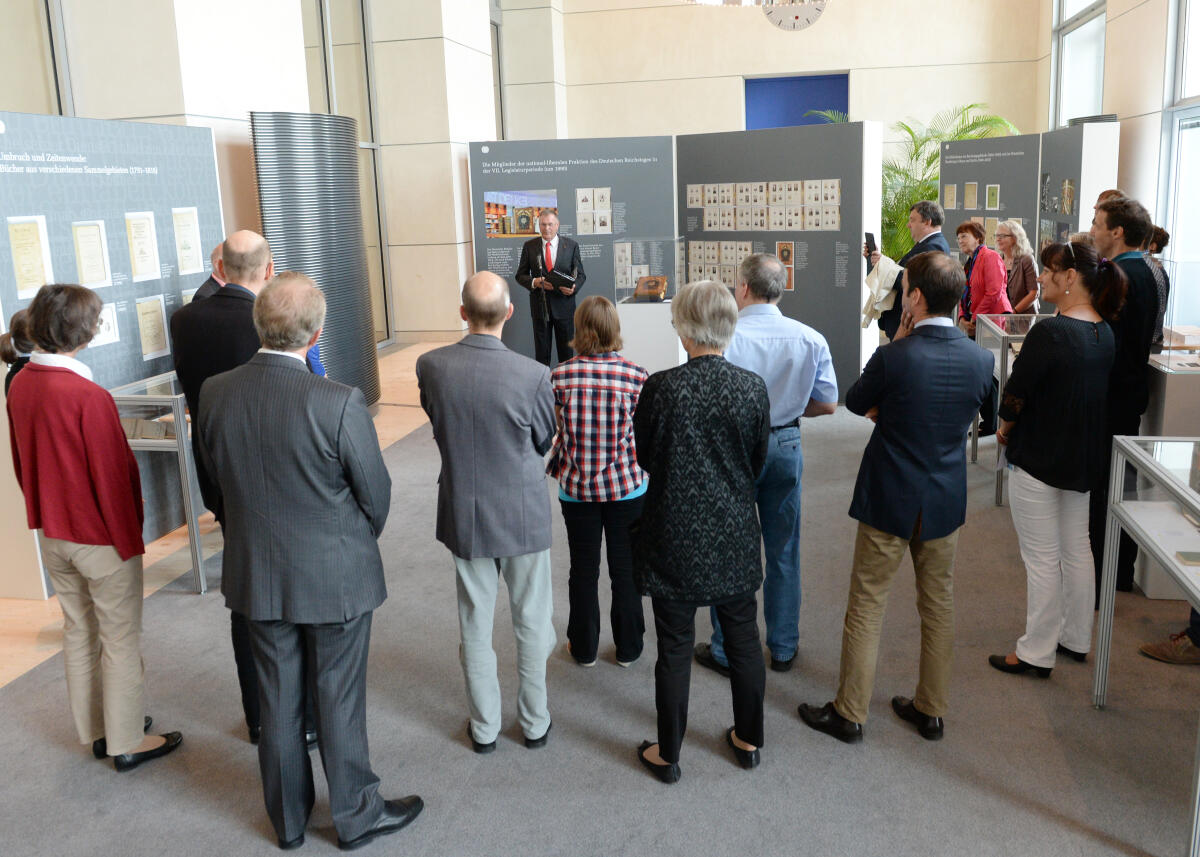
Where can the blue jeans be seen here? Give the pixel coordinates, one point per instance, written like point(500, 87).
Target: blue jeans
point(778, 499)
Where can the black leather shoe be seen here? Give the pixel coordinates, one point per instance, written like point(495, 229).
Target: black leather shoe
point(704, 657)
point(931, 728)
point(310, 738)
point(129, 761)
point(668, 773)
point(291, 844)
point(826, 719)
point(100, 745)
point(396, 815)
point(255, 733)
point(1072, 654)
point(748, 759)
point(475, 745)
point(535, 743)
point(782, 666)
point(1001, 663)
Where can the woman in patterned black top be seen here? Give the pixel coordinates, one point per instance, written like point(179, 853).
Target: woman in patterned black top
point(702, 431)
point(1053, 423)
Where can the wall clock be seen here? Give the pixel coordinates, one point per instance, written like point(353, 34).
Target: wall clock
point(794, 15)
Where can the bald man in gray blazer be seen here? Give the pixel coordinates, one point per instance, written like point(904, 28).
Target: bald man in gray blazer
point(298, 476)
point(492, 412)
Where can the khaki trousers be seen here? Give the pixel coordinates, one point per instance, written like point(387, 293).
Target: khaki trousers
point(877, 555)
point(101, 599)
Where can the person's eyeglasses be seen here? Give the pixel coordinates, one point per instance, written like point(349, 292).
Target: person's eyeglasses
point(1003, 235)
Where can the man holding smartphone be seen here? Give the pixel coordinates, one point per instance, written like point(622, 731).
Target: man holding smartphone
point(925, 221)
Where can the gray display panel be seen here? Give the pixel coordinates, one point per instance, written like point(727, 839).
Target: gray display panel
point(1060, 178)
point(605, 191)
point(762, 170)
point(989, 181)
point(129, 209)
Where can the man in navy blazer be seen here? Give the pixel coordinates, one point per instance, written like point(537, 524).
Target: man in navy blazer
point(923, 390)
point(925, 221)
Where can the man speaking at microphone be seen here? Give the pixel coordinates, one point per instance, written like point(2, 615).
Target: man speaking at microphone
point(544, 261)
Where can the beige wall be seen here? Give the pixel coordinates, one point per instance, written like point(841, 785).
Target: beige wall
point(433, 65)
point(653, 67)
point(26, 71)
point(181, 63)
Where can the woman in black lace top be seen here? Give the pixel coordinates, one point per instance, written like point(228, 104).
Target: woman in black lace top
point(1052, 419)
point(702, 431)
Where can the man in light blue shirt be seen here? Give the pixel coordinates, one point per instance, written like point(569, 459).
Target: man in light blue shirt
point(794, 361)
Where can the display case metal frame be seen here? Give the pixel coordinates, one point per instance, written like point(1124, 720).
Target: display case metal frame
point(180, 445)
point(1131, 516)
point(1004, 329)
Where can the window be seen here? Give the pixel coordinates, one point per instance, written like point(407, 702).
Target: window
point(1078, 60)
point(1183, 251)
point(1189, 49)
point(338, 52)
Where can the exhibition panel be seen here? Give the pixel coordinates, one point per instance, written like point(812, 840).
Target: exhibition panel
point(307, 166)
point(130, 210)
point(800, 193)
point(1048, 182)
point(612, 196)
point(990, 180)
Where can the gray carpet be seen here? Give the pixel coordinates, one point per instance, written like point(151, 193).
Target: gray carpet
point(1027, 767)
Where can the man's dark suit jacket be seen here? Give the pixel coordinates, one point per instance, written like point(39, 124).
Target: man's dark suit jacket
point(928, 387)
point(207, 290)
point(533, 264)
point(298, 473)
point(1133, 330)
point(889, 320)
point(212, 336)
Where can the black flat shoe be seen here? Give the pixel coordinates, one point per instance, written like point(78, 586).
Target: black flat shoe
point(396, 815)
point(291, 844)
point(129, 761)
point(704, 657)
point(475, 745)
point(100, 745)
point(1081, 657)
point(536, 743)
point(826, 719)
point(668, 773)
point(782, 666)
point(931, 728)
point(1001, 663)
point(748, 759)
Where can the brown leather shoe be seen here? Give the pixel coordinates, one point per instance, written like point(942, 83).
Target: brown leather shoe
point(1176, 649)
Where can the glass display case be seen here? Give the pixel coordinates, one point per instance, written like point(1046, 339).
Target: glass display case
point(1163, 517)
point(153, 414)
point(1002, 335)
point(647, 270)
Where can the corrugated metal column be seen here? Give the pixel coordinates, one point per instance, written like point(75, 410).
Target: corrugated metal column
point(308, 192)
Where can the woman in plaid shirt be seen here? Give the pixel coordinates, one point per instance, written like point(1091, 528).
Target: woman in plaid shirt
point(600, 483)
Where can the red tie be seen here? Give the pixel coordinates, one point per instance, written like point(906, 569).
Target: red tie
point(549, 261)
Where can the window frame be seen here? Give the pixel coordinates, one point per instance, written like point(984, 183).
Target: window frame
point(1060, 30)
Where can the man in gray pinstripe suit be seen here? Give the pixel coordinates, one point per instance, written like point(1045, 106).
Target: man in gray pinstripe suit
point(304, 495)
point(492, 412)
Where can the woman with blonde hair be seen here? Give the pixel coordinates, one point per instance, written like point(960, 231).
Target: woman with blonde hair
point(1014, 247)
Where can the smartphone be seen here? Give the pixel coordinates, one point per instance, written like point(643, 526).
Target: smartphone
point(870, 242)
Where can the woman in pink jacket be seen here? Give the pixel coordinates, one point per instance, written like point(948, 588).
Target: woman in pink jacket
point(986, 294)
point(987, 280)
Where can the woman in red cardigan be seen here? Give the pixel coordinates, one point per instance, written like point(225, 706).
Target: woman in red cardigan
point(83, 495)
point(987, 280)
